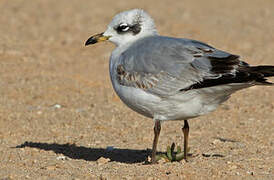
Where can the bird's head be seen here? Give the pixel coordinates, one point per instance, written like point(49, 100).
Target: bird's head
point(126, 27)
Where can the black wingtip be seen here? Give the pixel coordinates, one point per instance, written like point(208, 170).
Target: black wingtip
point(267, 71)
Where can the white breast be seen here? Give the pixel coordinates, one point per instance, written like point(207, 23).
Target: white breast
point(137, 99)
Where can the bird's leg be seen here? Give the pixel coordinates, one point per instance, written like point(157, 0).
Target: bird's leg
point(185, 130)
point(157, 129)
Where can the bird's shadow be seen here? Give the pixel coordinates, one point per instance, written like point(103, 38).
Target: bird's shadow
point(72, 151)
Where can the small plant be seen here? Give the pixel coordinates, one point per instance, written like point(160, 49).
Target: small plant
point(171, 155)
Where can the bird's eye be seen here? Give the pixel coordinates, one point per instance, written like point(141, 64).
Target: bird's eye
point(123, 28)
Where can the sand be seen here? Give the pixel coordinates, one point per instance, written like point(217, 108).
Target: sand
point(59, 115)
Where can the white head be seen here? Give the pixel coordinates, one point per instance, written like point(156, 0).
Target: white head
point(127, 27)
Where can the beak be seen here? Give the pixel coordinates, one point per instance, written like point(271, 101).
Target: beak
point(96, 38)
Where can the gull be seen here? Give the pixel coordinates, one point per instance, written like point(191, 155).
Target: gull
point(166, 78)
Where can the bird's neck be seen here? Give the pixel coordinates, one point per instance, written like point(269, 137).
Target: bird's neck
point(129, 42)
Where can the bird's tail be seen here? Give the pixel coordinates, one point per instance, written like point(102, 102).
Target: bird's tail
point(264, 72)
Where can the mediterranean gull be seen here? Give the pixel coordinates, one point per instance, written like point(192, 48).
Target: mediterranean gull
point(166, 78)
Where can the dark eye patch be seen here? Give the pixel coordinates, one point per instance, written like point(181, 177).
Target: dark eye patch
point(136, 28)
point(124, 28)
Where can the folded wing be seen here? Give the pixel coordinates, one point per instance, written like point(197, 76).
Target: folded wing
point(165, 66)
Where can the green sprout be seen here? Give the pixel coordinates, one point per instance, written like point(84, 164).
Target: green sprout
point(171, 155)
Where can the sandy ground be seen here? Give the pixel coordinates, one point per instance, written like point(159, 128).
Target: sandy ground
point(59, 113)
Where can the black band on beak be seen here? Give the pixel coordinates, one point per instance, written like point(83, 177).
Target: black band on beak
point(96, 38)
point(91, 40)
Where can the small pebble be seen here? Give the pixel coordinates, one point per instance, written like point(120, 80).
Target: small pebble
point(250, 172)
point(102, 160)
point(216, 141)
point(57, 106)
point(149, 159)
point(62, 158)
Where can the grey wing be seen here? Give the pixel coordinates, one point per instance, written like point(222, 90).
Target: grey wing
point(166, 66)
